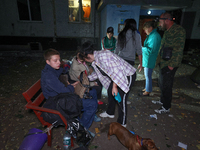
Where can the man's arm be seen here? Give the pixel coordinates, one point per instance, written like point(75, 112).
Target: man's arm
point(178, 47)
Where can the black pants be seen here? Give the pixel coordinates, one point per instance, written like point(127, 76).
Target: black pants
point(165, 81)
point(122, 106)
point(130, 62)
point(98, 89)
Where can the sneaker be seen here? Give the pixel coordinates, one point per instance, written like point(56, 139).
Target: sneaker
point(124, 125)
point(157, 102)
point(104, 114)
point(128, 102)
point(96, 118)
point(100, 102)
point(162, 110)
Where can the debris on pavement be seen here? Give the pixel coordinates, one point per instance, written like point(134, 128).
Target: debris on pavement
point(154, 116)
point(182, 145)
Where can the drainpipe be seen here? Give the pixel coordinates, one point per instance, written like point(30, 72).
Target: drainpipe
point(54, 20)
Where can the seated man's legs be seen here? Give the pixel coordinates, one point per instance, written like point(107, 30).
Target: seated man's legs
point(89, 109)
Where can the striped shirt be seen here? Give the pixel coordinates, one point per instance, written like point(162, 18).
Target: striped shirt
point(115, 67)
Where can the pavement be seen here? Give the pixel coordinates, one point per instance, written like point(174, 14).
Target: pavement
point(177, 130)
point(180, 128)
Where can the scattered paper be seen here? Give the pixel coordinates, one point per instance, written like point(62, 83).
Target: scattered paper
point(182, 145)
point(154, 116)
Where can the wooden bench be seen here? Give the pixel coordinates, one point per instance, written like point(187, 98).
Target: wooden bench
point(35, 98)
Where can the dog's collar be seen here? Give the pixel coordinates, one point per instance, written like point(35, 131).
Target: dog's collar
point(140, 142)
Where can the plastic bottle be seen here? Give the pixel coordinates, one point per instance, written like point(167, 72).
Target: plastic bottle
point(67, 141)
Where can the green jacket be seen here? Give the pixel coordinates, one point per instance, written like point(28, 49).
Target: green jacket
point(150, 49)
point(108, 44)
point(174, 38)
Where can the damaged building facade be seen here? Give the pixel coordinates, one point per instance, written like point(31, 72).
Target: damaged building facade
point(66, 24)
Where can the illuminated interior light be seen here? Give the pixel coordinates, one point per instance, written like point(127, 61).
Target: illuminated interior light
point(149, 12)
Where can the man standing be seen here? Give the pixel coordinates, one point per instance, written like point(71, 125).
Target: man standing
point(169, 59)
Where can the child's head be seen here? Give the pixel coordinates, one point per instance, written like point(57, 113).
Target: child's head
point(110, 32)
point(52, 58)
point(80, 57)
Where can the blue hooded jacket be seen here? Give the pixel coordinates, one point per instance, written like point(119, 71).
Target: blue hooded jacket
point(50, 83)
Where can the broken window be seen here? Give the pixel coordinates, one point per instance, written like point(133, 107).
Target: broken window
point(29, 10)
point(79, 10)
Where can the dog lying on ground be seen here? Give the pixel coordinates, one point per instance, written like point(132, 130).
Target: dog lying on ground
point(129, 140)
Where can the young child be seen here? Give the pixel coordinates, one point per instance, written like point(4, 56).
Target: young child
point(52, 86)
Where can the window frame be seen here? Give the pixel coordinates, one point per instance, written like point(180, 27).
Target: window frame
point(29, 13)
point(80, 13)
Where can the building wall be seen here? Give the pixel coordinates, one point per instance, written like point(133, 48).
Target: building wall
point(50, 26)
point(143, 12)
point(196, 25)
point(112, 15)
point(12, 26)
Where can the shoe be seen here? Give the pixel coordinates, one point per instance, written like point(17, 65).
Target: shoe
point(157, 102)
point(198, 86)
point(104, 114)
point(124, 125)
point(96, 118)
point(143, 90)
point(100, 102)
point(92, 134)
point(146, 93)
point(128, 102)
point(162, 110)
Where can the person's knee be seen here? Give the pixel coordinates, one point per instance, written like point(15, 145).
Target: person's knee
point(93, 93)
point(90, 104)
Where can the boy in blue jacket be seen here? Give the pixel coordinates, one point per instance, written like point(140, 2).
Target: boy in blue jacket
point(52, 86)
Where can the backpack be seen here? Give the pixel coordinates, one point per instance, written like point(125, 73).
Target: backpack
point(68, 104)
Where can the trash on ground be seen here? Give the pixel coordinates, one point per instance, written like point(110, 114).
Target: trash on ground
point(182, 145)
point(96, 130)
point(154, 116)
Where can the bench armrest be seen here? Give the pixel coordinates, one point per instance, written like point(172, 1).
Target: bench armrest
point(30, 106)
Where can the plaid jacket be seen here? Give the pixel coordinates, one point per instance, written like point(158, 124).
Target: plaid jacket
point(114, 66)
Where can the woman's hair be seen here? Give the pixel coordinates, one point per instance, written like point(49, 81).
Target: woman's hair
point(86, 48)
point(149, 24)
point(50, 52)
point(130, 24)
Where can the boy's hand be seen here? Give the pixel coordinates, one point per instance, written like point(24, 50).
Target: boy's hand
point(74, 84)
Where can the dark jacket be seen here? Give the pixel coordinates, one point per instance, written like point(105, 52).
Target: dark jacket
point(50, 83)
point(175, 39)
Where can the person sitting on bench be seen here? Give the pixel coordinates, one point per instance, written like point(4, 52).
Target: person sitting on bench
point(52, 86)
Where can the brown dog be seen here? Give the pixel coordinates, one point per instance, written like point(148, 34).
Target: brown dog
point(129, 140)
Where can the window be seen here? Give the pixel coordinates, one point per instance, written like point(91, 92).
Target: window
point(79, 16)
point(29, 10)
